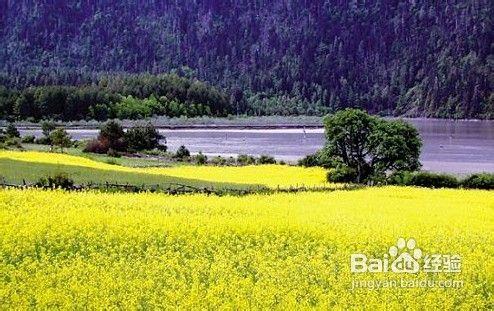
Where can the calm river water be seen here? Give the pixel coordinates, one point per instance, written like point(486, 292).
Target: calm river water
point(449, 146)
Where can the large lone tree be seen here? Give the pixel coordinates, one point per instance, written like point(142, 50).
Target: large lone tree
point(370, 146)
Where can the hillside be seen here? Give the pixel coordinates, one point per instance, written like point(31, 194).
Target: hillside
point(414, 58)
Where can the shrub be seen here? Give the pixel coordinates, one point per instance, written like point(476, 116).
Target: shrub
point(479, 181)
point(42, 141)
point(342, 174)
point(12, 143)
point(266, 159)
point(402, 178)
point(182, 153)
point(218, 160)
point(97, 146)
point(112, 134)
point(231, 161)
point(60, 138)
point(244, 159)
point(60, 180)
point(139, 138)
point(309, 160)
point(201, 159)
point(11, 131)
point(80, 144)
point(28, 139)
point(433, 180)
point(47, 127)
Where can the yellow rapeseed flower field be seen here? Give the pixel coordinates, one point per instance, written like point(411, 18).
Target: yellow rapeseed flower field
point(90, 250)
point(267, 175)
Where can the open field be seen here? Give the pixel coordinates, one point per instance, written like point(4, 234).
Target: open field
point(17, 165)
point(90, 250)
point(123, 161)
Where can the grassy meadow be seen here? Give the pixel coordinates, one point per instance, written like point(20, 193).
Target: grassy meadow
point(31, 165)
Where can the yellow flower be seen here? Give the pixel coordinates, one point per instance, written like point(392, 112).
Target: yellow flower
point(91, 250)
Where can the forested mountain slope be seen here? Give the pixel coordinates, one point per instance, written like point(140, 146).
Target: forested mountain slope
point(416, 58)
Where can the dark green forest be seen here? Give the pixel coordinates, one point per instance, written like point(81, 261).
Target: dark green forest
point(115, 96)
point(133, 58)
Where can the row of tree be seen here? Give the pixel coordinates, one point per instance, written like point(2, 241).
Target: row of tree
point(123, 97)
point(112, 139)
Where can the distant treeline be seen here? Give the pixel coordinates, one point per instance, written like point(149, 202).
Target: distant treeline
point(122, 97)
point(285, 57)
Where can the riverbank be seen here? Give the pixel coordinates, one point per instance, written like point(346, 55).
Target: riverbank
point(457, 147)
point(266, 122)
point(240, 123)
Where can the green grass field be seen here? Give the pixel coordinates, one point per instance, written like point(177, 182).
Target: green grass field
point(14, 172)
point(123, 161)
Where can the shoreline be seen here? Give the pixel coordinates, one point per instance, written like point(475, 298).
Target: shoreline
point(237, 123)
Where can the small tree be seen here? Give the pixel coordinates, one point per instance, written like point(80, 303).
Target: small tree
point(369, 145)
point(47, 127)
point(201, 159)
point(182, 153)
point(146, 137)
point(112, 135)
point(60, 138)
point(11, 131)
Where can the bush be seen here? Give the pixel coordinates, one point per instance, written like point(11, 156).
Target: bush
point(218, 160)
point(47, 127)
point(112, 134)
point(342, 174)
point(60, 180)
point(182, 153)
point(60, 138)
point(11, 131)
point(309, 160)
point(401, 178)
point(479, 181)
point(201, 159)
point(28, 139)
point(230, 161)
point(244, 159)
point(139, 138)
point(42, 141)
point(80, 144)
point(266, 159)
point(96, 146)
point(13, 142)
point(433, 180)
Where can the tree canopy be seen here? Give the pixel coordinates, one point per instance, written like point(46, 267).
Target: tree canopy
point(370, 146)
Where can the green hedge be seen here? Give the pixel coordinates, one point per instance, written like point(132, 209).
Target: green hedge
point(479, 181)
point(435, 180)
